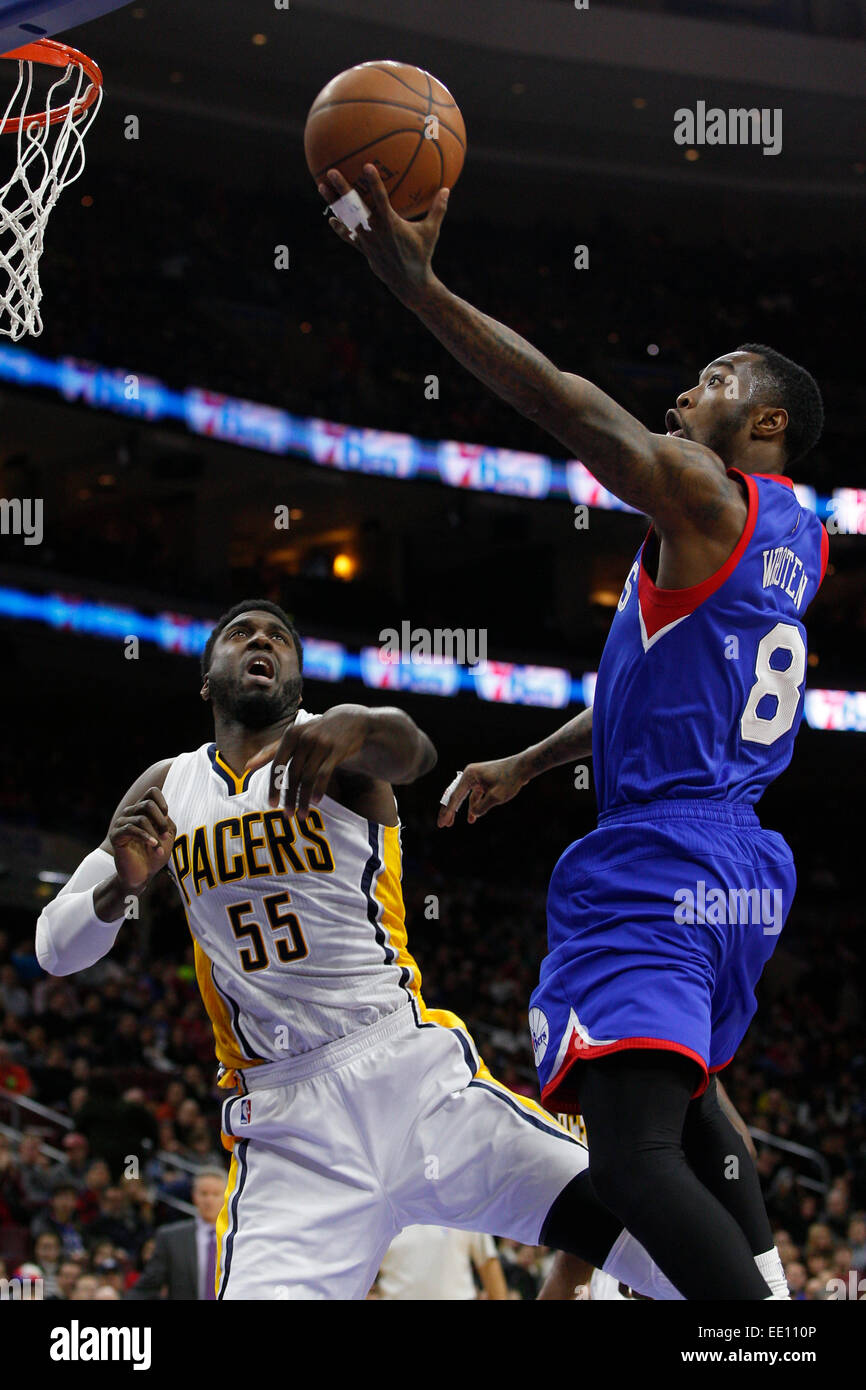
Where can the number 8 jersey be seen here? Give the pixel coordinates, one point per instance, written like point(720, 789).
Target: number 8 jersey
point(700, 690)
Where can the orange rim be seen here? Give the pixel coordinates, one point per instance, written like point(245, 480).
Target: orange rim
point(55, 55)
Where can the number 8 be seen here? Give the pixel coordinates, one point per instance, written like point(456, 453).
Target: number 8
point(785, 685)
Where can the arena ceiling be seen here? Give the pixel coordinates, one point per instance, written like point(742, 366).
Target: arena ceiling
point(221, 89)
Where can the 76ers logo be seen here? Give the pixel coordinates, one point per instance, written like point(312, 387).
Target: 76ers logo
point(540, 1034)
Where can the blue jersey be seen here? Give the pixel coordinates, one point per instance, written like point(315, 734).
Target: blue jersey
point(700, 690)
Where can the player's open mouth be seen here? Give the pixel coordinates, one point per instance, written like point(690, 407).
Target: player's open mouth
point(261, 668)
point(673, 426)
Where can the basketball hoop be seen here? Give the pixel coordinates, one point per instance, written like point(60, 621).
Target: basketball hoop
point(50, 156)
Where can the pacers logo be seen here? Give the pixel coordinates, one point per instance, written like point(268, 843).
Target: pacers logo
point(540, 1034)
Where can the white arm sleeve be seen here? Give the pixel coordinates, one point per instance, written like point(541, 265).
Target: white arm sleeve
point(69, 935)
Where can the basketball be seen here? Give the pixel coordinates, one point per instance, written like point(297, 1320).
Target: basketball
point(395, 116)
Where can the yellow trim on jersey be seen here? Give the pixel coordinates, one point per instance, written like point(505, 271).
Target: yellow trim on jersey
point(388, 892)
point(240, 782)
point(222, 1224)
point(226, 1044)
point(483, 1074)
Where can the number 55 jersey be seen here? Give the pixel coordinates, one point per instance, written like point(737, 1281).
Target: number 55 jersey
point(297, 920)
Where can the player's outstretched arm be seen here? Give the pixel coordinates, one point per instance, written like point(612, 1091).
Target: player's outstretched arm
point(382, 744)
point(493, 783)
point(80, 925)
point(680, 484)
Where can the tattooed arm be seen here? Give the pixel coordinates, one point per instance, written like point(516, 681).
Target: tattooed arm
point(682, 485)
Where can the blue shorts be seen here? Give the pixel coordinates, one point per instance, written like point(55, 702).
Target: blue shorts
point(660, 923)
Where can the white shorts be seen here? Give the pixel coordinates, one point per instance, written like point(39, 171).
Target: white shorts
point(397, 1125)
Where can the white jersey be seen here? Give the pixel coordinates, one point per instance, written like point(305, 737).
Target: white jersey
point(298, 921)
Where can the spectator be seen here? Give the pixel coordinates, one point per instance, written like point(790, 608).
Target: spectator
point(857, 1240)
point(117, 1221)
point(85, 1288)
point(96, 1180)
point(819, 1240)
point(112, 1273)
point(14, 998)
point(100, 1251)
point(835, 1213)
point(61, 1218)
point(11, 1189)
point(34, 1172)
point(795, 1273)
point(816, 1290)
point(68, 1274)
point(117, 1129)
point(200, 1147)
point(47, 1251)
point(51, 1074)
point(75, 1169)
point(183, 1263)
point(12, 1076)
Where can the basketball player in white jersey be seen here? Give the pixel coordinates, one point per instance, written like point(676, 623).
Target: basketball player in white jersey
point(356, 1111)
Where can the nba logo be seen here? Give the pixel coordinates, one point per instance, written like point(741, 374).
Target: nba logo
point(246, 1106)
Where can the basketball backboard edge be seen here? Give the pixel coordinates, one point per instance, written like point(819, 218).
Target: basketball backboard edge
point(24, 21)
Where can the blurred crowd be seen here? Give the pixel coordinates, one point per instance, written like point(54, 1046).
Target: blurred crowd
point(125, 1052)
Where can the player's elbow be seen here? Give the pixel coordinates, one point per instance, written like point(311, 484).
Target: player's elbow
point(428, 757)
point(45, 953)
point(423, 758)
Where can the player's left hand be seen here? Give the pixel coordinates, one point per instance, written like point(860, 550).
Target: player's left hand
point(308, 755)
point(399, 252)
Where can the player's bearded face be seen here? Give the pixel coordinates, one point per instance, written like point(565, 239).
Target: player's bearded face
point(723, 430)
point(253, 708)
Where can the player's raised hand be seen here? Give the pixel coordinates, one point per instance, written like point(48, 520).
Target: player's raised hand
point(399, 251)
point(487, 785)
point(308, 755)
point(141, 836)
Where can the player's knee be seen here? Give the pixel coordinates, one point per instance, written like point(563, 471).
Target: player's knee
point(611, 1176)
point(579, 1224)
point(627, 1178)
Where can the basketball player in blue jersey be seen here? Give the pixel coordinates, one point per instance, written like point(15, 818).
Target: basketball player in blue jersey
point(356, 1110)
point(661, 920)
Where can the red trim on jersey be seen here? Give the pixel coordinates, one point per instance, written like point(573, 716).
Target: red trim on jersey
point(825, 553)
point(559, 1098)
point(774, 478)
point(722, 1065)
point(660, 607)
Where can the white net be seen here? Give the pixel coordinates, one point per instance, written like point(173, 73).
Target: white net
point(50, 156)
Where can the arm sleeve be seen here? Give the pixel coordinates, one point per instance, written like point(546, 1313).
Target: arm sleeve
point(69, 935)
